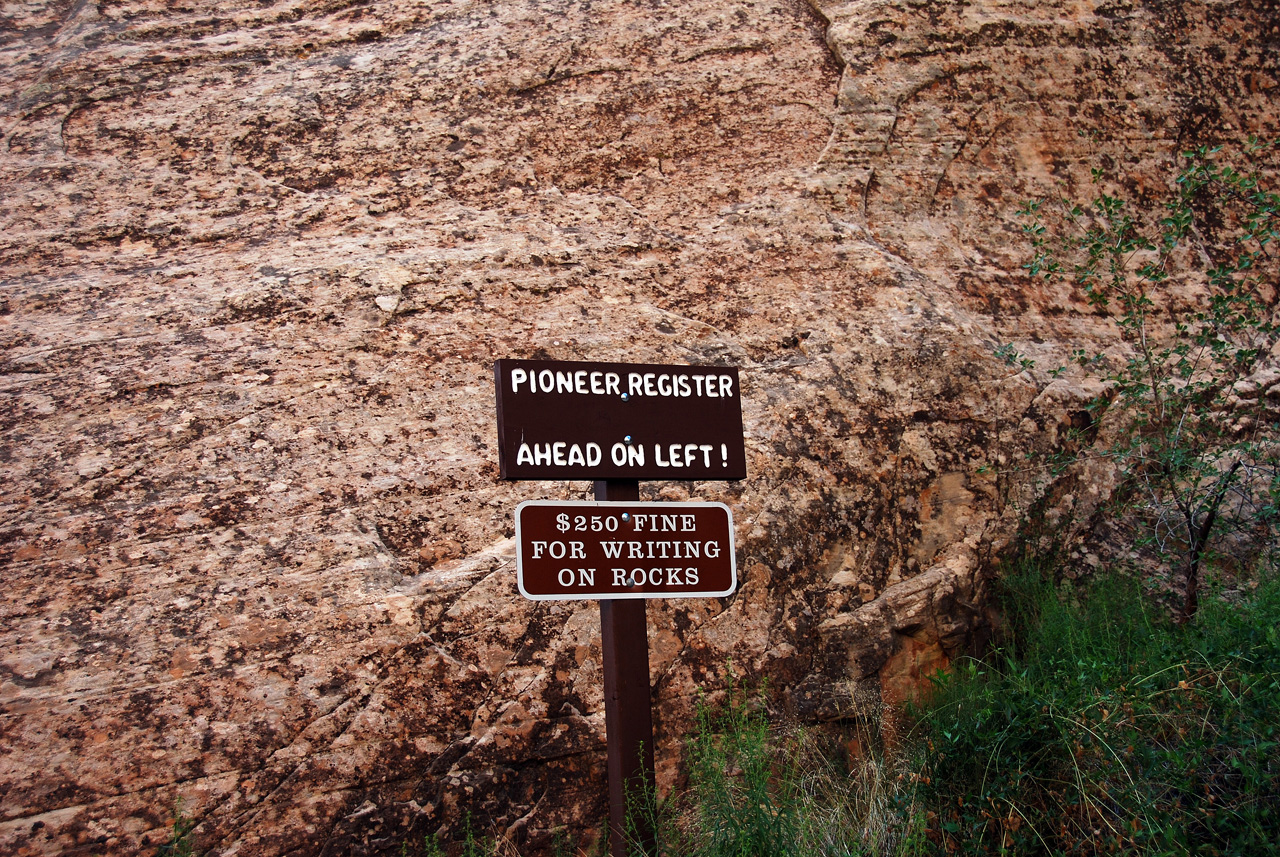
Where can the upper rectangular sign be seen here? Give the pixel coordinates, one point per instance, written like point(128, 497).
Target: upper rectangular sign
point(569, 420)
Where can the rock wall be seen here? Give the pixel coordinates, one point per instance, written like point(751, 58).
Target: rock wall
point(258, 258)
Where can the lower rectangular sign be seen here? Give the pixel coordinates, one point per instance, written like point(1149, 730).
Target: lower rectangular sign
point(568, 550)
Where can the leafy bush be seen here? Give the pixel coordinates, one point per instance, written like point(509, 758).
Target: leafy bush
point(1193, 292)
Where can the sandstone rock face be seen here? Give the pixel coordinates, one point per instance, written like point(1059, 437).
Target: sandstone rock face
point(258, 258)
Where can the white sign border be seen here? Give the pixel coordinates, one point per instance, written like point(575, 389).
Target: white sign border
point(646, 504)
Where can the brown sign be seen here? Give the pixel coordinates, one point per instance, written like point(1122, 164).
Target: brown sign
point(568, 420)
point(624, 550)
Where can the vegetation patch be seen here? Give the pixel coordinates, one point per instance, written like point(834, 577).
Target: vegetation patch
point(1103, 727)
point(1099, 726)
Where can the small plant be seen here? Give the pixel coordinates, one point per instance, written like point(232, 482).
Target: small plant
point(1193, 293)
point(562, 844)
point(1010, 356)
point(430, 846)
point(645, 817)
point(474, 845)
point(181, 840)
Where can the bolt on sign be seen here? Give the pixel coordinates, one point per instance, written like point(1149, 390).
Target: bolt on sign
point(571, 420)
point(602, 550)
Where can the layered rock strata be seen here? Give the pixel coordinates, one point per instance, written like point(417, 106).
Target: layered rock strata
point(258, 258)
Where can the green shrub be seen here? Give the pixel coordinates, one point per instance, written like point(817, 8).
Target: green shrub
point(1099, 726)
point(1191, 286)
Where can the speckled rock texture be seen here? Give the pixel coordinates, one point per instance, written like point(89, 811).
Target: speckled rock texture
point(257, 259)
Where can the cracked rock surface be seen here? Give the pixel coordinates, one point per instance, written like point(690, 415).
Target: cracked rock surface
point(257, 259)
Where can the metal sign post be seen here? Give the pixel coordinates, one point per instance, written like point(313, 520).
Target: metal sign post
point(617, 423)
point(628, 710)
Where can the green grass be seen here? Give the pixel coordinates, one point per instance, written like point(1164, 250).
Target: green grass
point(744, 793)
point(759, 790)
point(1098, 727)
point(1103, 728)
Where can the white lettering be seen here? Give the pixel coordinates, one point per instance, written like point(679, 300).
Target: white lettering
point(586, 577)
point(547, 381)
point(682, 386)
point(664, 385)
point(712, 550)
point(691, 577)
point(619, 454)
point(560, 576)
point(558, 453)
point(639, 522)
point(538, 548)
point(697, 382)
point(564, 382)
point(690, 450)
point(635, 455)
point(619, 576)
point(648, 384)
point(580, 381)
point(692, 550)
point(518, 376)
point(594, 454)
point(706, 454)
point(575, 455)
point(635, 550)
point(634, 384)
point(726, 385)
point(576, 550)
point(525, 455)
point(612, 550)
point(675, 454)
point(657, 455)
point(554, 547)
point(673, 577)
point(542, 453)
point(711, 386)
point(596, 388)
point(612, 384)
point(687, 523)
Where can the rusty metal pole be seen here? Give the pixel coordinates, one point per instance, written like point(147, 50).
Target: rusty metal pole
point(628, 714)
